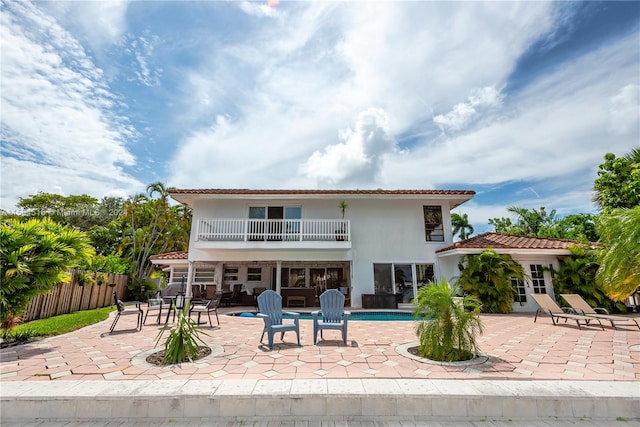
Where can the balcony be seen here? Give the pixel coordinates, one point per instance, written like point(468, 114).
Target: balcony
point(273, 233)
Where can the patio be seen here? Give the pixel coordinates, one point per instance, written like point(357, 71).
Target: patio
point(518, 349)
point(536, 374)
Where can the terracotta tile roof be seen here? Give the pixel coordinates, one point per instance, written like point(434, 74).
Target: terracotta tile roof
point(170, 256)
point(507, 241)
point(229, 191)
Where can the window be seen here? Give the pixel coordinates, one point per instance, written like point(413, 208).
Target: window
point(230, 274)
point(424, 274)
point(318, 279)
point(404, 281)
point(399, 279)
point(433, 228)
point(382, 278)
point(274, 222)
point(518, 287)
point(292, 277)
point(203, 273)
point(537, 279)
point(254, 274)
point(178, 273)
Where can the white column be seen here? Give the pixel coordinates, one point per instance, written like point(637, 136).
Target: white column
point(414, 279)
point(278, 276)
point(189, 280)
point(219, 276)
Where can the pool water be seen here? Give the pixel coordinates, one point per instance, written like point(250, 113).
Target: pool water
point(355, 315)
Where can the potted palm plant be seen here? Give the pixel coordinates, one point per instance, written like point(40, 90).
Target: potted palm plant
point(184, 343)
point(340, 232)
point(85, 278)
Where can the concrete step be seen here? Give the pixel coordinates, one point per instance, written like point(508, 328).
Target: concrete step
point(339, 400)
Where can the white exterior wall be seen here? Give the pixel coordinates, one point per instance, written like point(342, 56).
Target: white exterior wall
point(526, 261)
point(383, 230)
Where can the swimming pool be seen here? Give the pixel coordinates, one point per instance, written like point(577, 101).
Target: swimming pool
point(355, 315)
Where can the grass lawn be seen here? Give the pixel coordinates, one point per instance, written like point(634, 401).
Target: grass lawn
point(56, 325)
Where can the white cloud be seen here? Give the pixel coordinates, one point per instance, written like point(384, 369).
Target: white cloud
point(100, 23)
point(259, 9)
point(625, 110)
point(56, 111)
point(358, 158)
point(292, 84)
point(23, 178)
point(464, 112)
point(142, 49)
point(558, 127)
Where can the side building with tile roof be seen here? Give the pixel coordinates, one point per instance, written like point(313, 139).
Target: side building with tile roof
point(535, 254)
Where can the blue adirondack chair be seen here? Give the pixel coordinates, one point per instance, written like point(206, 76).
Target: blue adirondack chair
point(270, 307)
point(331, 315)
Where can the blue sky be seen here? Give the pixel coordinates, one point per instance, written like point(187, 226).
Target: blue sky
point(518, 101)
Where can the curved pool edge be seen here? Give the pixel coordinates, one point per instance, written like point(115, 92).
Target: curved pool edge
point(356, 315)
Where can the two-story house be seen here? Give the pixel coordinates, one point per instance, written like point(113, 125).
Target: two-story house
point(301, 242)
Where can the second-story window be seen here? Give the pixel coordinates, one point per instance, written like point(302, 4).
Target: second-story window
point(433, 228)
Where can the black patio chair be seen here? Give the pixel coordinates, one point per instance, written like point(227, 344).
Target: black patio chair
point(154, 304)
point(233, 297)
point(208, 307)
point(124, 309)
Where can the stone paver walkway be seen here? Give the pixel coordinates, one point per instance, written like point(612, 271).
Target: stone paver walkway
point(518, 349)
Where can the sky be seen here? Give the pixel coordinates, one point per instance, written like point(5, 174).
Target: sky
point(518, 101)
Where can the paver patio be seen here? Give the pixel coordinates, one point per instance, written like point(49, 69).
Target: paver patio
point(518, 349)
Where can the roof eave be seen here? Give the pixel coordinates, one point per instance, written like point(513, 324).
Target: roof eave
point(455, 200)
point(509, 251)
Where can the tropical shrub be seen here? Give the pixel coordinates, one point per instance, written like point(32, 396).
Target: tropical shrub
point(488, 277)
point(619, 256)
point(576, 274)
point(449, 325)
point(140, 289)
point(34, 256)
point(111, 263)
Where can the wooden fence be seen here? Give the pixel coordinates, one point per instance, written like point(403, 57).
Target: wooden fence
point(69, 297)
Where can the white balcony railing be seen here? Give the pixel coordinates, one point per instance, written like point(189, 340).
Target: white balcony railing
point(272, 230)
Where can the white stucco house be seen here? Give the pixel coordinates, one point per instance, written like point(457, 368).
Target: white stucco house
point(299, 242)
point(378, 252)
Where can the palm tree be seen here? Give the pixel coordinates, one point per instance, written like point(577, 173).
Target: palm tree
point(35, 255)
point(532, 221)
point(619, 258)
point(151, 226)
point(460, 224)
